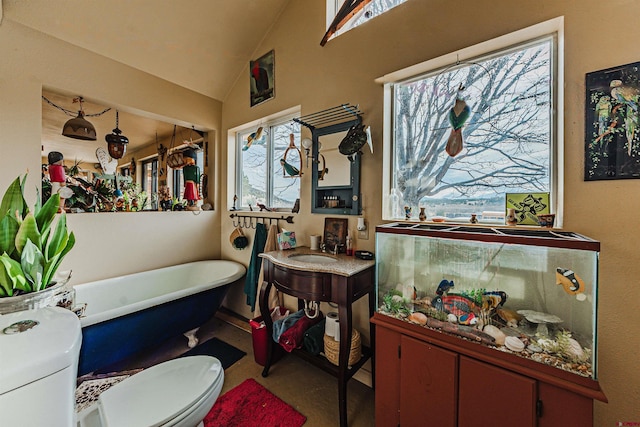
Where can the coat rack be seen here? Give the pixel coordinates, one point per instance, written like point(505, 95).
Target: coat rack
point(253, 220)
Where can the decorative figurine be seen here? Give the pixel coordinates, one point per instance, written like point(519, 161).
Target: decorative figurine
point(58, 177)
point(473, 219)
point(191, 176)
point(511, 217)
point(407, 212)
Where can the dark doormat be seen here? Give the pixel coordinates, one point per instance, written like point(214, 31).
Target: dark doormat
point(225, 353)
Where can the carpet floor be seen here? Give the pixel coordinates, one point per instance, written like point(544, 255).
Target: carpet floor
point(251, 405)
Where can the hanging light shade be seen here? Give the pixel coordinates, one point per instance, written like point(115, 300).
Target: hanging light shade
point(79, 127)
point(116, 143)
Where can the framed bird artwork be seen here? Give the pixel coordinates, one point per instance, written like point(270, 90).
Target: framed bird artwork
point(262, 78)
point(612, 120)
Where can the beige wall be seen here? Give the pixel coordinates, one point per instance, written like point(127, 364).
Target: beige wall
point(108, 244)
point(344, 71)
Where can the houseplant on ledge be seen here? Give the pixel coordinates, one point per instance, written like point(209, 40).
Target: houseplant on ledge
point(31, 250)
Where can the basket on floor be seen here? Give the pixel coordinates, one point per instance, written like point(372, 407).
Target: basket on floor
point(332, 348)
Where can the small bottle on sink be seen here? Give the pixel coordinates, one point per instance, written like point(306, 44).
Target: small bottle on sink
point(349, 245)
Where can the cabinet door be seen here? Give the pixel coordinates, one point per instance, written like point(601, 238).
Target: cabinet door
point(428, 385)
point(493, 397)
point(387, 377)
point(559, 406)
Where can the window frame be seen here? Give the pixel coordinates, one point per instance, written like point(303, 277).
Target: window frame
point(554, 28)
point(153, 161)
point(234, 158)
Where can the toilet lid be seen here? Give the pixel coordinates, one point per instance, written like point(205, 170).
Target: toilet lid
point(156, 395)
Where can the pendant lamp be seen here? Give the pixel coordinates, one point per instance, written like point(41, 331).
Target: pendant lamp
point(116, 143)
point(79, 127)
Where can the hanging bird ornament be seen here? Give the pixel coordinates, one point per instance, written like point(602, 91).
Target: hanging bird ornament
point(256, 137)
point(458, 115)
point(289, 170)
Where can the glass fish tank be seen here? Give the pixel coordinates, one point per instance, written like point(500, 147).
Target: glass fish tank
point(530, 292)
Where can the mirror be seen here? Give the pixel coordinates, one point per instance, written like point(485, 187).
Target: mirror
point(137, 175)
point(338, 192)
point(337, 166)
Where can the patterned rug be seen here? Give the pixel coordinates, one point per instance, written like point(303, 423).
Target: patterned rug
point(251, 405)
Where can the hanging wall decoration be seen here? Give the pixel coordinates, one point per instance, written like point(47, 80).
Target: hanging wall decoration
point(612, 143)
point(261, 78)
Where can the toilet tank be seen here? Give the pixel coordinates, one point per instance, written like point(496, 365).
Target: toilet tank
point(38, 367)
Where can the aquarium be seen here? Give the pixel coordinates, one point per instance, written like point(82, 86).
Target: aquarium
point(527, 291)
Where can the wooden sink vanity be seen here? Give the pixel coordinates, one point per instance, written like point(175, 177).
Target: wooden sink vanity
point(342, 282)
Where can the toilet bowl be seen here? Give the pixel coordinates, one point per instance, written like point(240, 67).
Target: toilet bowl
point(40, 349)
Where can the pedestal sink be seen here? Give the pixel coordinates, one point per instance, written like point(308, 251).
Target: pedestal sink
point(313, 258)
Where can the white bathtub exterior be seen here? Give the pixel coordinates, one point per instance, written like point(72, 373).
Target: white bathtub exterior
point(114, 297)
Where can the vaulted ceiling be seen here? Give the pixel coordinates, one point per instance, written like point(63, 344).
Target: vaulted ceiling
point(202, 45)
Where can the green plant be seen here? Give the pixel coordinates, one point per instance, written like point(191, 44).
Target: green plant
point(32, 249)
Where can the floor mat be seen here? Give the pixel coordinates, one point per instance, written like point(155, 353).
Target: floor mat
point(251, 405)
point(225, 353)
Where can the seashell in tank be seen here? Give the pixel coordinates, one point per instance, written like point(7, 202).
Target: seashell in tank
point(496, 333)
point(418, 318)
point(514, 344)
point(510, 316)
point(452, 318)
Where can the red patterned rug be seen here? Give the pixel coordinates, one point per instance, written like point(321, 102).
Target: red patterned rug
point(251, 405)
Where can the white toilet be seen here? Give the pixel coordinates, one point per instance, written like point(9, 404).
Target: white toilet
point(39, 359)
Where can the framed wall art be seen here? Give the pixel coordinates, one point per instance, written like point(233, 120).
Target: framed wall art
point(612, 123)
point(262, 78)
point(335, 233)
point(527, 206)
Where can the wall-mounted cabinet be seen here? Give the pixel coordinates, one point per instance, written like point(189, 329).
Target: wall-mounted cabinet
point(335, 177)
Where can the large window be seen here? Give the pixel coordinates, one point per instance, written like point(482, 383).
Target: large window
point(260, 175)
point(508, 139)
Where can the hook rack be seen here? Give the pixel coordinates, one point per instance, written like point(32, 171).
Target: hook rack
point(339, 113)
point(253, 220)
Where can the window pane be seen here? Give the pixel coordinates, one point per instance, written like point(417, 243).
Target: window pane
point(286, 189)
point(253, 165)
point(506, 139)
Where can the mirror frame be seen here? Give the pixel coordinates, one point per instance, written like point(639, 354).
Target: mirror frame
point(350, 193)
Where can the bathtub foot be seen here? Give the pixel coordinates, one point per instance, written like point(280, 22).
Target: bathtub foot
point(191, 336)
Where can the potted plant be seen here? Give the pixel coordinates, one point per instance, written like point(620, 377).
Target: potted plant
point(31, 250)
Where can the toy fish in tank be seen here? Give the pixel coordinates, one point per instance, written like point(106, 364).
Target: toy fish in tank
point(570, 281)
point(444, 287)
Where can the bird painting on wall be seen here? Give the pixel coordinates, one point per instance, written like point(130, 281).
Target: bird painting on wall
point(458, 116)
point(628, 96)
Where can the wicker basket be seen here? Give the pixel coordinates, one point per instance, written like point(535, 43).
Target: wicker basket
point(332, 348)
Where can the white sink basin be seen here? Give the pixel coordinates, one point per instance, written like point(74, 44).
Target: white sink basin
point(313, 258)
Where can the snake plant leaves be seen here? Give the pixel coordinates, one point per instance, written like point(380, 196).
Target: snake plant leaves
point(32, 262)
point(51, 266)
point(28, 231)
point(8, 230)
point(11, 275)
point(13, 199)
point(58, 240)
point(46, 214)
